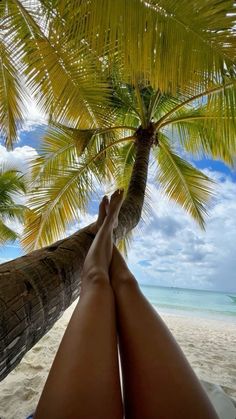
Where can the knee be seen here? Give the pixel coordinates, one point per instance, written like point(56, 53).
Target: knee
point(124, 279)
point(95, 276)
point(127, 278)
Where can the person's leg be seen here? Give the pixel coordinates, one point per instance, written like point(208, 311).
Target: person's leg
point(157, 379)
point(83, 382)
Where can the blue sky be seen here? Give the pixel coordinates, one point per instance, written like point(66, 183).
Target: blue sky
point(168, 248)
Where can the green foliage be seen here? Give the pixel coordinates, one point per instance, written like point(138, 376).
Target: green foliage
point(182, 182)
point(66, 52)
point(125, 243)
point(64, 179)
point(165, 43)
point(207, 127)
point(11, 185)
point(11, 97)
point(99, 69)
point(73, 162)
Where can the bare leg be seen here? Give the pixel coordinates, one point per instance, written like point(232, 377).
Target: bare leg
point(84, 379)
point(158, 381)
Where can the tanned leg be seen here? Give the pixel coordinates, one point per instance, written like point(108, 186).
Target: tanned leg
point(158, 381)
point(84, 379)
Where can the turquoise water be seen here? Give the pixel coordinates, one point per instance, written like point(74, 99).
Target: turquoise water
point(191, 302)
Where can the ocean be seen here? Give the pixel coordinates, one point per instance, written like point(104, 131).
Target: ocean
point(190, 302)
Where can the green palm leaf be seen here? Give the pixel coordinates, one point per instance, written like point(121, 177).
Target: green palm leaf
point(11, 181)
point(6, 234)
point(205, 135)
point(208, 127)
point(11, 97)
point(63, 145)
point(12, 184)
point(62, 191)
point(125, 243)
point(148, 39)
point(183, 183)
point(124, 165)
point(62, 79)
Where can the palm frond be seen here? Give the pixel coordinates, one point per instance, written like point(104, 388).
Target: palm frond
point(219, 92)
point(60, 192)
point(150, 40)
point(11, 181)
point(124, 165)
point(207, 128)
point(182, 182)
point(63, 145)
point(12, 210)
point(11, 97)
point(124, 101)
point(205, 135)
point(125, 243)
point(141, 107)
point(62, 79)
point(211, 23)
point(6, 234)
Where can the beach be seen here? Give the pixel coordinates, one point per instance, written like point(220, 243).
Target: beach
point(209, 345)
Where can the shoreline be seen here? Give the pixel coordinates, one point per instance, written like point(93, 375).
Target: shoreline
point(192, 303)
point(209, 345)
point(200, 315)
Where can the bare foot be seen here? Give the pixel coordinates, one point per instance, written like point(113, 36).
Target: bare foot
point(102, 213)
point(114, 207)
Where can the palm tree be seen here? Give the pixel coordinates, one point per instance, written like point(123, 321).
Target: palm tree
point(11, 185)
point(119, 80)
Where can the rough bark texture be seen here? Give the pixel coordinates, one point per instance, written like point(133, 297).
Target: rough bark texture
point(131, 210)
point(36, 289)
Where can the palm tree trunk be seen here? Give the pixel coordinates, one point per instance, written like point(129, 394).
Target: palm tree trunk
point(131, 210)
point(36, 289)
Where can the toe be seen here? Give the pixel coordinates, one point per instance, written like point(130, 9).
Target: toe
point(121, 191)
point(117, 193)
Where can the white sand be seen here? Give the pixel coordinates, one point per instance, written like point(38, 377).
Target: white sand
point(209, 345)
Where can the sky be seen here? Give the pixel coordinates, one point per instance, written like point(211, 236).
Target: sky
point(168, 248)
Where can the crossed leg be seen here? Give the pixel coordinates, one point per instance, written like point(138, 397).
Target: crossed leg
point(157, 379)
point(83, 382)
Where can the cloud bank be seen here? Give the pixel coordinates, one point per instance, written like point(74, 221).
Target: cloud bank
point(171, 250)
point(19, 158)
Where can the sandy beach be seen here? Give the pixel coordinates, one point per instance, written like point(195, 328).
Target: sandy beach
point(210, 346)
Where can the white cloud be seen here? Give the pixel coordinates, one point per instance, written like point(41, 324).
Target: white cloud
point(18, 158)
point(83, 221)
point(170, 249)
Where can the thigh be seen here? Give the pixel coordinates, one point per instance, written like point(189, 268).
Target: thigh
point(158, 381)
point(84, 380)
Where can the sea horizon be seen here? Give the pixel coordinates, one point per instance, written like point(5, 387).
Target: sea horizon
point(192, 302)
point(185, 288)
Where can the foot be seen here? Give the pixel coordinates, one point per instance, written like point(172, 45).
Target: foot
point(114, 207)
point(102, 213)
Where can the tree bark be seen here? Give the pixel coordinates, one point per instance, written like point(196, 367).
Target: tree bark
point(35, 289)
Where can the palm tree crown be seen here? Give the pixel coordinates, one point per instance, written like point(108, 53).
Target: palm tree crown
point(103, 70)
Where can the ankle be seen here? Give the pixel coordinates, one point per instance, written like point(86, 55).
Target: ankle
point(110, 220)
